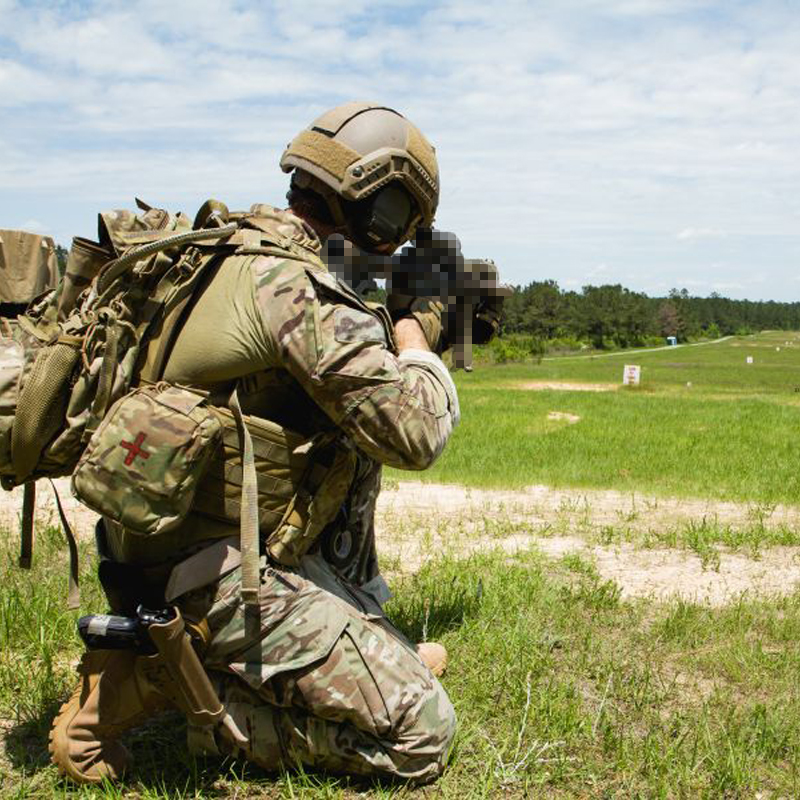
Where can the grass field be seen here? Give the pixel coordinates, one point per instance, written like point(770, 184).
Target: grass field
point(730, 434)
point(563, 688)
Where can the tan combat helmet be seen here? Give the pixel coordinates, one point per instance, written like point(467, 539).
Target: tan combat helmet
point(28, 266)
point(356, 149)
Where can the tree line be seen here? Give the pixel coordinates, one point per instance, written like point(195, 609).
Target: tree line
point(613, 316)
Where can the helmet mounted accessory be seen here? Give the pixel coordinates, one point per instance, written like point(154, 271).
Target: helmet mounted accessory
point(382, 218)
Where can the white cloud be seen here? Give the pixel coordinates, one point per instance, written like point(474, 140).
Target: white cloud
point(567, 132)
point(700, 233)
point(597, 271)
point(20, 85)
point(32, 225)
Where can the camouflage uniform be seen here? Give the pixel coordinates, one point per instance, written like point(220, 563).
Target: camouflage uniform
point(323, 678)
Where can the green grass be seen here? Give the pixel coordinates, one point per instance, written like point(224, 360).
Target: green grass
point(731, 435)
point(562, 690)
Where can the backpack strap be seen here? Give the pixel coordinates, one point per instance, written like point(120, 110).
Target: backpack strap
point(74, 596)
point(113, 270)
point(26, 550)
point(175, 318)
point(26, 529)
point(183, 276)
point(250, 534)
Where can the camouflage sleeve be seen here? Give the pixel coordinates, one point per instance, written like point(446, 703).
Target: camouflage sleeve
point(398, 410)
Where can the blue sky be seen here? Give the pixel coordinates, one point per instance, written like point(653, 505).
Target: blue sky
point(652, 143)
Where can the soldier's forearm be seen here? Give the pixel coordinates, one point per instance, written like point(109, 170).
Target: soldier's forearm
point(409, 335)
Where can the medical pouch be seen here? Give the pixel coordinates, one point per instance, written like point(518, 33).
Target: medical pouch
point(143, 464)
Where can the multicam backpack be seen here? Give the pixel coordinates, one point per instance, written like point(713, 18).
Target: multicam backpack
point(76, 350)
point(73, 352)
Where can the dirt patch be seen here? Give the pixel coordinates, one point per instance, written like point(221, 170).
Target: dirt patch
point(417, 521)
point(666, 573)
point(563, 416)
point(545, 506)
point(660, 574)
point(562, 386)
point(80, 518)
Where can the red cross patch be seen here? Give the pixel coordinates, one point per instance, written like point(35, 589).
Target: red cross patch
point(135, 449)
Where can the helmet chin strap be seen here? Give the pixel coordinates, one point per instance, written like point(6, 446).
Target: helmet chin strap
point(335, 206)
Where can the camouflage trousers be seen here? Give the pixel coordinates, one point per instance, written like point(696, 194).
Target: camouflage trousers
point(321, 678)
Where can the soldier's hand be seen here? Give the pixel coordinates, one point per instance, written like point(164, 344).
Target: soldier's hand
point(428, 313)
point(486, 319)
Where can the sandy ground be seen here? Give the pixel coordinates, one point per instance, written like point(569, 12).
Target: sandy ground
point(80, 518)
point(564, 416)
point(562, 386)
point(540, 505)
point(417, 521)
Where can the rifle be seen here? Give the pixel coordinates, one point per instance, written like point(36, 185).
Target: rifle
point(432, 266)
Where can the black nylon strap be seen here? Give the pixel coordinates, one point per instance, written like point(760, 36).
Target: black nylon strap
point(26, 529)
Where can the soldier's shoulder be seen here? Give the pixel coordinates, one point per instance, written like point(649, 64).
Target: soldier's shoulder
point(283, 226)
point(289, 246)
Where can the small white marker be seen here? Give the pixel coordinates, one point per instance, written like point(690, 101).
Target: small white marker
point(631, 375)
point(749, 359)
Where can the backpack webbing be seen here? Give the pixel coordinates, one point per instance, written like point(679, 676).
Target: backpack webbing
point(39, 408)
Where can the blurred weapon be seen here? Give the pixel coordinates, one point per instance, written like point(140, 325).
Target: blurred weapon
point(432, 266)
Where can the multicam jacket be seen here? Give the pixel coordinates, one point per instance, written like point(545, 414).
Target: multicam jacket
point(306, 352)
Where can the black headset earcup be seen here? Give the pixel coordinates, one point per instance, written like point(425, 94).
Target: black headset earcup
point(381, 218)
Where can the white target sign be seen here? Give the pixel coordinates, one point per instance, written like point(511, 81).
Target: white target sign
point(631, 375)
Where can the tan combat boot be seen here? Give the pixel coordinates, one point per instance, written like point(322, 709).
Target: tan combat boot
point(112, 697)
point(434, 656)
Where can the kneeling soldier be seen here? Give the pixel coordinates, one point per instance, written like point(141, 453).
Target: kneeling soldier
point(304, 664)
